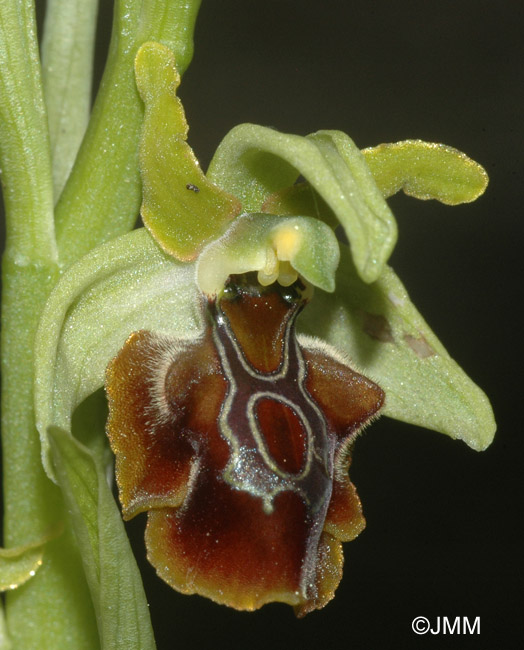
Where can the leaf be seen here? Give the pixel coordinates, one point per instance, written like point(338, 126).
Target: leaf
point(253, 162)
point(125, 285)
point(25, 160)
point(426, 170)
point(389, 341)
point(270, 245)
point(180, 207)
point(112, 574)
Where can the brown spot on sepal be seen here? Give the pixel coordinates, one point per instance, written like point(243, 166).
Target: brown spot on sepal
point(377, 327)
point(420, 346)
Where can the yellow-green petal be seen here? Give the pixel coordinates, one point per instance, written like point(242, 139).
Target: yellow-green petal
point(182, 209)
point(426, 170)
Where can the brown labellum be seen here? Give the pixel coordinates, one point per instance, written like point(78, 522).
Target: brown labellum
point(238, 445)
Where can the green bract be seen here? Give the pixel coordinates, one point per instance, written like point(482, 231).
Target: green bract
point(248, 213)
point(125, 285)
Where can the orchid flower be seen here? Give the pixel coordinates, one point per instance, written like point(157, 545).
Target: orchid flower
point(245, 336)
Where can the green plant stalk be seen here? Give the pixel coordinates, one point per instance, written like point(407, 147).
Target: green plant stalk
point(54, 606)
point(53, 609)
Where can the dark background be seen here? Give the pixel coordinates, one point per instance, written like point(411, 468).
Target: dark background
point(444, 522)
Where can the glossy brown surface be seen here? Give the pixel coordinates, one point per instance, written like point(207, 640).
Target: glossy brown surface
point(237, 444)
point(283, 434)
point(259, 324)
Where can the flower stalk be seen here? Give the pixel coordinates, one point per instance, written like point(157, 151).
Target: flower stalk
point(43, 116)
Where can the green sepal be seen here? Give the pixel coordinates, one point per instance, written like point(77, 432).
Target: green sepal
point(368, 223)
point(260, 242)
point(181, 208)
point(426, 170)
point(253, 162)
point(388, 340)
point(123, 286)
